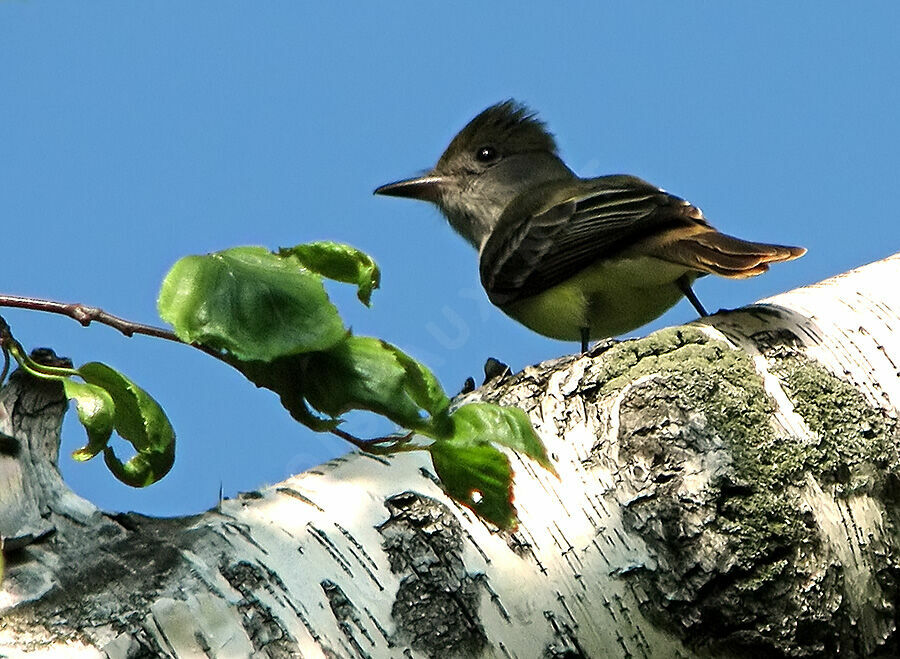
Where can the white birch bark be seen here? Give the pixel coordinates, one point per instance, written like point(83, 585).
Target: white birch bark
point(726, 488)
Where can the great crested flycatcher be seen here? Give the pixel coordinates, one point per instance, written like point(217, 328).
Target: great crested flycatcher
point(568, 257)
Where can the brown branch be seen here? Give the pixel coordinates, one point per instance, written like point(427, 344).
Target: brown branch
point(86, 315)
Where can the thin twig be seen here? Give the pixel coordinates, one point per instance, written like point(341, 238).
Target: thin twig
point(86, 315)
point(397, 443)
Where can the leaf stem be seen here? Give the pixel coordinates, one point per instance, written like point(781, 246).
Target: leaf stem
point(36, 369)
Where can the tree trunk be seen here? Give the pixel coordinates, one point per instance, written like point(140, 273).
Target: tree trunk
point(727, 488)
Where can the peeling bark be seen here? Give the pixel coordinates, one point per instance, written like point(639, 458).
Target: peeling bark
point(727, 488)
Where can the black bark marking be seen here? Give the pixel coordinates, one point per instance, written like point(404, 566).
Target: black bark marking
point(347, 617)
point(437, 604)
point(263, 629)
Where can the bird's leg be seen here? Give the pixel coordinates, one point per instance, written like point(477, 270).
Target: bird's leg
point(685, 286)
point(585, 332)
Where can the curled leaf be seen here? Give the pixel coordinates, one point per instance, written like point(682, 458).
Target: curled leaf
point(139, 419)
point(96, 412)
point(142, 469)
point(339, 262)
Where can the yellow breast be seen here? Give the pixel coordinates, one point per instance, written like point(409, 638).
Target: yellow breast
point(610, 298)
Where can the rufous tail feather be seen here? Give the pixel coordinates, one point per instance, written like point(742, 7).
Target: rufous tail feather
point(726, 256)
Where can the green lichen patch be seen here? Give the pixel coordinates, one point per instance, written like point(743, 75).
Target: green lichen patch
point(660, 351)
point(705, 377)
point(731, 545)
point(857, 444)
point(744, 564)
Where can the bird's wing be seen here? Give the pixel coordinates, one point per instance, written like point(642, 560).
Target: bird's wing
point(551, 233)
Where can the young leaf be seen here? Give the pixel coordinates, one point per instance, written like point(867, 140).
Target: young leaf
point(141, 421)
point(365, 373)
point(478, 476)
point(339, 262)
point(506, 426)
point(96, 411)
point(249, 302)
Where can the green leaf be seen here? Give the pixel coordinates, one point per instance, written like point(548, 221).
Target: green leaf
point(339, 262)
point(96, 412)
point(360, 373)
point(141, 470)
point(506, 426)
point(366, 373)
point(285, 377)
point(478, 476)
point(423, 386)
point(140, 420)
point(249, 302)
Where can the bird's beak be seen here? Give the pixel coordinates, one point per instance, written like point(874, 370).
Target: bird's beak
point(426, 188)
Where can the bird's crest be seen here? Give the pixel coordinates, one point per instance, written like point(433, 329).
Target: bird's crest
point(509, 126)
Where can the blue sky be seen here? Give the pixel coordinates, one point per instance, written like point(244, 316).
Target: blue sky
point(132, 134)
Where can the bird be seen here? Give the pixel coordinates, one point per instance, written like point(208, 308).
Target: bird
point(575, 259)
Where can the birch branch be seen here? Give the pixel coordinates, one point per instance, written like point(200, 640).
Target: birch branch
point(726, 488)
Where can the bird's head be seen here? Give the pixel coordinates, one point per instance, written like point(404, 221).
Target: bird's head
point(501, 153)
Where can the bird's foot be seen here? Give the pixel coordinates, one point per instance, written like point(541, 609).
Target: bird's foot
point(600, 347)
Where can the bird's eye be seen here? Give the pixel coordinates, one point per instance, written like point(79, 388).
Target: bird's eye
point(486, 154)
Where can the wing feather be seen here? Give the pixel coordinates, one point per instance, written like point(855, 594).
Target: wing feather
point(552, 232)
